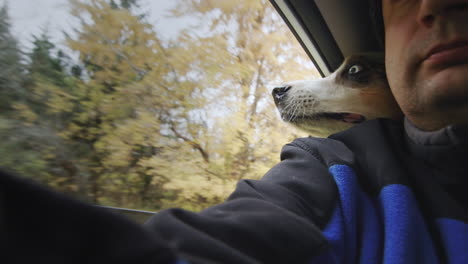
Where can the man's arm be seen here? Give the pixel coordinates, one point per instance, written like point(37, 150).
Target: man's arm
point(278, 219)
point(38, 225)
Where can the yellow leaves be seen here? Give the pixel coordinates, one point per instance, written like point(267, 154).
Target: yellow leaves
point(60, 101)
point(114, 40)
point(25, 113)
point(123, 141)
point(201, 187)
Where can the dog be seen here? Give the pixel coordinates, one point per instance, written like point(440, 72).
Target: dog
point(357, 91)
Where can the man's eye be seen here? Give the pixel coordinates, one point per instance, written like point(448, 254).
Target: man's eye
point(355, 69)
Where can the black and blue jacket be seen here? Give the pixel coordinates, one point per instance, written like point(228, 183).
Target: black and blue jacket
point(380, 192)
point(376, 193)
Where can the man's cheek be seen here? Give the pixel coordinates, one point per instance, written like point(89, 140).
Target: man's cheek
point(394, 69)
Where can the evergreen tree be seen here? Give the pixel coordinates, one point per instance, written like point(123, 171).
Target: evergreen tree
point(11, 68)
point(54, 87)
point(127, 4)
point(18, 151)
point(42, 61)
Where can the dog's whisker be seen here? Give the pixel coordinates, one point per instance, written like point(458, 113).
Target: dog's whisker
point(294, 112)
point(293, 115)
point(288, 105)
point(286, 109)
point(289, 112)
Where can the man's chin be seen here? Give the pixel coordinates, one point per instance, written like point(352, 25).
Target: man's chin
point(446, 86)
point(435, 119)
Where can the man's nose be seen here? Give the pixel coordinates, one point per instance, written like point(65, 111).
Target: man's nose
point(430, 10)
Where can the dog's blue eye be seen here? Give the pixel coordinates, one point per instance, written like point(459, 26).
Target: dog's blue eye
point(355, 69)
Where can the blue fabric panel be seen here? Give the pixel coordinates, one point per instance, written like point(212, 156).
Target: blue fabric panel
point(407, 238)
point(386, 229)
point(354, 227)
point(454, 235)
point(335, 234)
point(370, 231)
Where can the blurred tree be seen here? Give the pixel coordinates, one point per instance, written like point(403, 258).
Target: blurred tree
point(42, 62)
point(15, 152)
point(28, 146)
point(52, 87)
point(38, 117)
point(240, 47)
point(11, 68)
point(121, 111)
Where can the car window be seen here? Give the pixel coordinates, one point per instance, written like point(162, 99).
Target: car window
point(144, 104)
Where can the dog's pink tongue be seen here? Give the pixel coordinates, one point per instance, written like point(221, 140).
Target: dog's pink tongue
point(353, 118)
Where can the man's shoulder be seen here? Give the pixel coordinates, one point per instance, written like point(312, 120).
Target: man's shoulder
point(327, 151)
point(369, 129)
point(373, 137)
point(373, 130)
point(341, 148)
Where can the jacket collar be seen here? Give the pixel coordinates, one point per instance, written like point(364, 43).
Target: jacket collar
point(444, 151)
point(451, 135)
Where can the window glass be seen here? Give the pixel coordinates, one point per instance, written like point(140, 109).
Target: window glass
point(144, 104)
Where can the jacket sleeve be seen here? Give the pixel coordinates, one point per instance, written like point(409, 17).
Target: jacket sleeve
point(278, 219)
point(38, 225)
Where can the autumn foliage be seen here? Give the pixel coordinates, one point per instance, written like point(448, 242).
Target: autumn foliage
point(144, 122)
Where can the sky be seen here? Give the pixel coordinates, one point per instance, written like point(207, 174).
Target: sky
point(30, 17)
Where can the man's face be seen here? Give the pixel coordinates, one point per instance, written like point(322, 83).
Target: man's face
point(426, 48)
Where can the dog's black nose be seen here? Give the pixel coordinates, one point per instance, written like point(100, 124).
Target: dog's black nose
point(280, 92)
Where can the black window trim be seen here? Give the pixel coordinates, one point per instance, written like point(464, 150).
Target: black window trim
point(329, 30)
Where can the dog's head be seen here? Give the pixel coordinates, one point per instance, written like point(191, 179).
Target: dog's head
point(357, 91)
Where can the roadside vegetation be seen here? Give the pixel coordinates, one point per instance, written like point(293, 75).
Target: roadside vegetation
point(142, 122)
